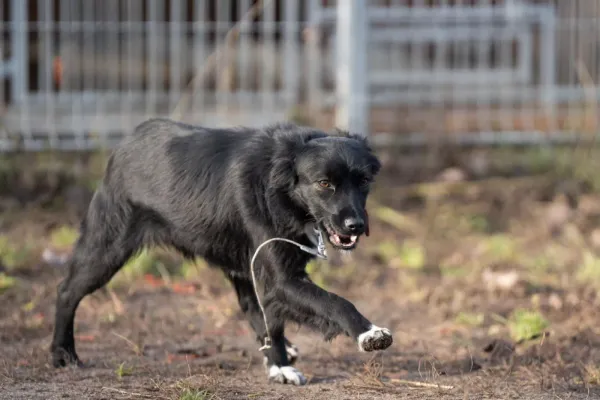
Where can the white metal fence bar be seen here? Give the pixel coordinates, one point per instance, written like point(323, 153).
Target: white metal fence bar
point(352, 82)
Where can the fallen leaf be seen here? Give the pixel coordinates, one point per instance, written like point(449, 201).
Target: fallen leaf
point(183, 288)
point(85, 338)
point(153, 281)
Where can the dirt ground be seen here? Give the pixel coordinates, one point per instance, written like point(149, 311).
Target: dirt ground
point(490, 288)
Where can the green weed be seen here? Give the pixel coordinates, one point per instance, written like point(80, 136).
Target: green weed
point(145, 262)
point(12, 256)
point(589, 271)
point(195, 394)
point(526, 325)
point(470, 319)
point(500, 247)
point(410, 254)
point(64, 237)
point(6, 282)
point(317, 271)
point(123, 371)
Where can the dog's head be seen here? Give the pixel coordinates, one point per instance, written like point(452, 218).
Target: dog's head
point(332, 176)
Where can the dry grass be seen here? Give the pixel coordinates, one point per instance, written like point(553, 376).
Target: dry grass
point(490, 288)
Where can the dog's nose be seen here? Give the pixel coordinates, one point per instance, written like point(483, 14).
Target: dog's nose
point(354, 225)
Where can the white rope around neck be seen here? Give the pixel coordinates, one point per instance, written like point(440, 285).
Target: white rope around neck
point(319, 251)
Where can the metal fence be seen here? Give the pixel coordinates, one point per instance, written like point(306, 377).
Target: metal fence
point(79, 74)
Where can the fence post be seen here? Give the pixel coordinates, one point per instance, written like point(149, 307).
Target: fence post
point(548, 55)
point(352, 83)
point(20, 50)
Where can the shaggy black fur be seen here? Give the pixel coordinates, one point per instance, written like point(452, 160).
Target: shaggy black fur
point(218, 194)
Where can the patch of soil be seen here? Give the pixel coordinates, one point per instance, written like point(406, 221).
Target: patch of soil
point(156, 341)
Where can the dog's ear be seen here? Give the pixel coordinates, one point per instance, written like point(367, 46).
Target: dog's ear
point(366, 223)
point(283, 165)
point(283, 173)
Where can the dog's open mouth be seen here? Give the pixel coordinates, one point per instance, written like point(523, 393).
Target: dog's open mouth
point(339, 240)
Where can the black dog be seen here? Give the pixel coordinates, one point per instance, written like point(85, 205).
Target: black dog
point(219, 194)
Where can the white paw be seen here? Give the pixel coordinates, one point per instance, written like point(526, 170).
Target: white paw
point(375, 338)
point(286, 375)
point(292, 353)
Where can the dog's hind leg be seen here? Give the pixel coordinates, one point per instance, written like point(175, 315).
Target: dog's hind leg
point(282, 354)
point(107, 239)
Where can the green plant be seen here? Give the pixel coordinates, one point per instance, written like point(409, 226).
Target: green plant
point(589, 271)
point(469, 319)
point(64, 237)
point(525, 325)
point(195, 394)
point(317, 271)
point(500, 247)
point(6, 282)
point(145, 262)
point(13, 256)
point(123, 371)
point(192, 269)
point(409, 254)
point(479, 223)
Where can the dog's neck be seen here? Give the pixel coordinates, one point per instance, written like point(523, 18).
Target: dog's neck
point(316, 237)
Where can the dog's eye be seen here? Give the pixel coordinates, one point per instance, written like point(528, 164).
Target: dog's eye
point(365, 181)
point(325, 184)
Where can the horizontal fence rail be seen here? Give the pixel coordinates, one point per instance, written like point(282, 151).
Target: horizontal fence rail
point(80, 75)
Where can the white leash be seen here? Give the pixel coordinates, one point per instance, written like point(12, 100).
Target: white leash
point(319, 251)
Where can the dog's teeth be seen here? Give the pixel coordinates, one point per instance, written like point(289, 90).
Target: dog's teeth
point(353, 238)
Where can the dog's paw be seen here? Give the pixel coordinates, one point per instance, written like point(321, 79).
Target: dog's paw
point(375, 338)
point(292, 352)
point(63, 358)
point(286, 374)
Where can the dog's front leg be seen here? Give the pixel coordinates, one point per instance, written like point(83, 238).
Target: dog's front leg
point(281, 355)
point(305, 302)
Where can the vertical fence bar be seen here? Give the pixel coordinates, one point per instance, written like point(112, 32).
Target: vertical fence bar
point(483, 70)
point(245, 65)
point(396, 59)
point(63, 63)
point(135, 58)
point(88, 74)
point(570, 17)
point(291, 63)
point(45, 68)
point(548, 58)
point(312, 33)
point(113, 45)
point(176, 59)
point(593, 32)
point(20, 43)
point(352, 82)
point(153, 61)
point(454, 64)
point(20, 63)
point(79, 29)
point(88, 50)
point(268, 48)
point(416, 57)
point(504, 60)
point(5, 72)
point(199, 49)
point(223, 63)
point(440, 65)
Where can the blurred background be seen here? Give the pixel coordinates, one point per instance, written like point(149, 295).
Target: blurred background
point(78, 74)
point(485, 217)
